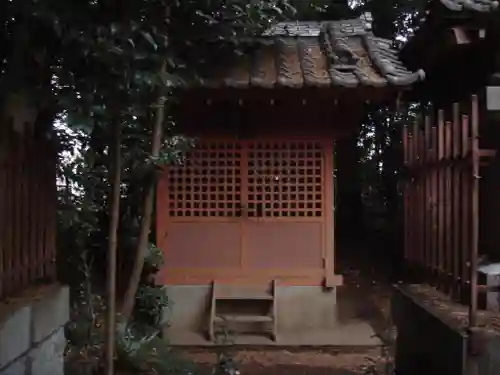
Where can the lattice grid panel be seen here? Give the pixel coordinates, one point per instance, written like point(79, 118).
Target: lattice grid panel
point(285, 179)
point(208, 183)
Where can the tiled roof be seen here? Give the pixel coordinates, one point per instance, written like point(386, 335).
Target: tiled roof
point(471, 5)
point(312, 54)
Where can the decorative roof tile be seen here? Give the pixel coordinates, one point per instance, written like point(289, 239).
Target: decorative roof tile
point(319, 54)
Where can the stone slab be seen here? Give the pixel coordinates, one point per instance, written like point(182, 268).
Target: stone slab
point(47, 358)
point(18, 367)
point(32, 331)
point(50, 311)
point(14, 334)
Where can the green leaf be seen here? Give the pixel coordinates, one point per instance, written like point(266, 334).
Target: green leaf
point(149, 38)
point(79, 121)
point(170, 80)
point(211, 20)
point(116, 50)
point(113, 28)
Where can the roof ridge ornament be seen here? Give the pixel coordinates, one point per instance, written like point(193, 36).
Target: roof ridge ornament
point(338, 50)
point(367, 20)
point(296, 28)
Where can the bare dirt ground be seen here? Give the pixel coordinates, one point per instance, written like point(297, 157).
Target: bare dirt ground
point(303, 362)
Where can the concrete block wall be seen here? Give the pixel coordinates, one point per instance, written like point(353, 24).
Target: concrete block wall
point(487, 361)
point(427, 343)
point(32, 338)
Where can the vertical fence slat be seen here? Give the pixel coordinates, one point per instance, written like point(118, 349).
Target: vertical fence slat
point(41, 228)
point(22, 244)
point(421, 198)
point(9, 223)
point(50, 164)
point(416, 195)
point(447, 204)
point(434, 194)
point(27, 213)
point(410, 206)
point(465, 184)
point(33, 203)
point(410, 199)
point(34, 218)
point(413, 197)
point(10, 216)
point(440, 197)
point(16, 277)
point(428, 199)
point(406, 208)
point(456, 212)
point(409, 196)
point(475, 211)
point(3, 210)
point(42, 235)
point(37, 224)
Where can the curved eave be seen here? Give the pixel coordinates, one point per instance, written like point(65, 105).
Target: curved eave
point(482, 6)
point(329, 55)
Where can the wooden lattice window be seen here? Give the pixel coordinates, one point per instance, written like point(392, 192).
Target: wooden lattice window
point(285, 179)
point(208, 183)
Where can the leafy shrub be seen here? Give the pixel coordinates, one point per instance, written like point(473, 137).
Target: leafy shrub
point(151, 300)
point(140, 350)
point(151, 304)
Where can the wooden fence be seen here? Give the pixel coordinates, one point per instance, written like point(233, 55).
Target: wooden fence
point(441, 199)
point(27, 213)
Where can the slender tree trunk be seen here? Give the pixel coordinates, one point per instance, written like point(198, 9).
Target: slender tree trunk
point(142, 245)
point(112, 245)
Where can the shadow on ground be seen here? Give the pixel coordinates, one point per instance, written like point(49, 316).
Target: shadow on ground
point(366, 292)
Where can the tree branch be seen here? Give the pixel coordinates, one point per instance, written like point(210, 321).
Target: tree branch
point(142, 245)
point(112, 245)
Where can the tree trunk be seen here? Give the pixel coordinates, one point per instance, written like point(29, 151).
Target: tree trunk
point(142, 245)
point(114, 208)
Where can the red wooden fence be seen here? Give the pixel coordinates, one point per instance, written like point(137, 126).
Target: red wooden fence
point(441, 199)
point(27, 213)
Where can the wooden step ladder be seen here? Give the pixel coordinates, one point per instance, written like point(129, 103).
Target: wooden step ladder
point(237, 305)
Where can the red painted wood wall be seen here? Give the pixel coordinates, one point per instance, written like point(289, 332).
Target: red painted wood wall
point(202, 231)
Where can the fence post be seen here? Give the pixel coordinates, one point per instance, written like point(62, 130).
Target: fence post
point(475, 213)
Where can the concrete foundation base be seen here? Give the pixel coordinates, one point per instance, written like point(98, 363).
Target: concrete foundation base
point(32, 338)
point(306, 316)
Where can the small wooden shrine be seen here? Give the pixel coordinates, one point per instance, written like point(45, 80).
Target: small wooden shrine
point(246, 221)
